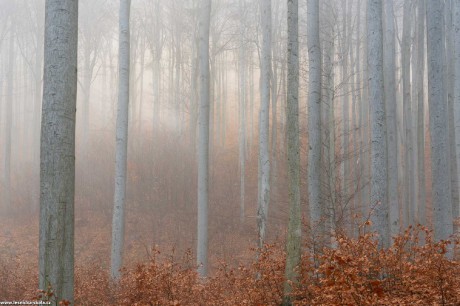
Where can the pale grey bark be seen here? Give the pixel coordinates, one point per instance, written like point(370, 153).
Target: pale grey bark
point(449, 92)
point(264, 120)
point(118, 221)
point(328, 171)
point(365, 130)
point(57, 149)
point(203, 138)
point(6, 196)
point(345, 107)
point(317, 216)
point(421, 11)
point(409, 163)
point(441, 190)
point(242, 107)
point(379, 202)
point(390, 103)
point(456, 98)
point(293, 248)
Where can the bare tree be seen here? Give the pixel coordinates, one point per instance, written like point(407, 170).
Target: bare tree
point(293, 249)
point(57, 150)
point(264, 120)
point(379, 151)
point(203, 138)
point(442, 196)
point(390, 104)
point(118, 221)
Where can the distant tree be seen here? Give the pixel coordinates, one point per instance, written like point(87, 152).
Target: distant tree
point(439, 129)
point(456, 58)
point(317, 212)
point(118, 222)
point(379, 161)
point(293, 248)
point(203, 138)
point(389, 68)
point(57, 150)
point(264, 120)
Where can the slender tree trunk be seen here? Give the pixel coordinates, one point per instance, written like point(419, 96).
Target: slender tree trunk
point(379, 189)
point(118, 222)
point(293, 249)
point(203, 138)
point(449, 92)
point(314, 124)
point(10, 101)
point(264, 118)
point(329, 132)
point(421, 12)
point(439, 129)
point(390, 102)
point(242, 109)
point(409, 183)
point(57, 149)
point(456, 58)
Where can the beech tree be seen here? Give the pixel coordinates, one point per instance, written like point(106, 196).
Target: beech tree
point(264, 120)
point(57, 149)
point(439, 129)
point(317, 211)
point(203, 138)
point(118, 221)
point(391, 117)
point(379, 202)
point(293, 249)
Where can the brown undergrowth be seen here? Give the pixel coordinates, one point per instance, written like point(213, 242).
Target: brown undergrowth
point(353, 272)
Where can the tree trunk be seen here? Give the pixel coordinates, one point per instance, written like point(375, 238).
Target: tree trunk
point(293, 248)
point(264, 118)
point(317, 215)
point(439, 129)
point(390, 103)
point(203, 139)
point(118, 222)
point(57, 149)
point(379, 150)
point(421, 12)
point(456, 58)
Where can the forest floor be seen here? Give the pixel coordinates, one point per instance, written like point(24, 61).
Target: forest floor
point(354, 273)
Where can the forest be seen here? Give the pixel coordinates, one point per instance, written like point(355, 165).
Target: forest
point(229, 152)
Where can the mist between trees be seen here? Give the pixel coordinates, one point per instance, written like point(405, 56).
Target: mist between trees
point(210, 127)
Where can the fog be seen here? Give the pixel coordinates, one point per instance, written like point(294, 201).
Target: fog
point(164, 97)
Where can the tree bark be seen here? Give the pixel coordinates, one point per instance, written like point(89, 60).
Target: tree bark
point(293, 248)
point(57, 149)
point(118, 222)
point(264, 121)
point(203, 139)
point(439, 129)
point(390, 104)
point(379, 202)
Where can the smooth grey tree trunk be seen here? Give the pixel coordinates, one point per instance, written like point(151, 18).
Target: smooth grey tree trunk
point(439, 129)
point(293, 248)
point(409, 163)
point(449, 92)
point(57, 149)
point(242, 107)
point(421, 12)
point(203, 138)
point(456, 98)
point(264, 121)
point(10, 101)
point(118, 222)
point(317, 213)
point(390, 103)
point(379, 202)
